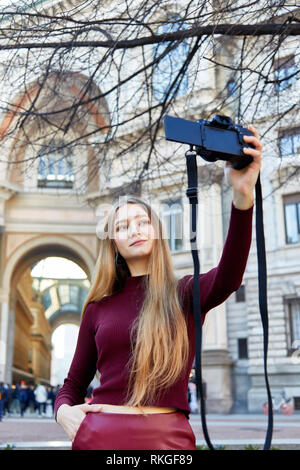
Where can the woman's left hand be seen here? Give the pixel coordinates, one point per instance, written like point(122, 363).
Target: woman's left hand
point(243, 181)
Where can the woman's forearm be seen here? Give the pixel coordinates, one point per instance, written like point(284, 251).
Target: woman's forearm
point(60, 411)
point(243, 201)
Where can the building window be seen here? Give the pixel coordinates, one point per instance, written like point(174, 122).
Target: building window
point(55, 167)
point(285, 72)
point(292, 218)
point(240, 294)
point(289, 142)
point(231, 88)
point(172, 220)
point(168, 67)
point(294, 318)
point(242, 348)
point(297, 403)
point(294, 324)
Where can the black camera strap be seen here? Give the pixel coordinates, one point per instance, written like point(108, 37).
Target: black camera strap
point(192, 194)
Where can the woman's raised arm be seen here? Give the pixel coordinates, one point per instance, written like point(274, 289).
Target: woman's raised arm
point(217, 284)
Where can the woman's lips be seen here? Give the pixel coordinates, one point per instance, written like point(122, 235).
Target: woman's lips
point(138, 243)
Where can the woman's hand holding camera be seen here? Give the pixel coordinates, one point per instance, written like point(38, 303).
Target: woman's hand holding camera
point(243, 181)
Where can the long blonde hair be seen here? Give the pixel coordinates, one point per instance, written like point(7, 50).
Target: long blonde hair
point(160, 351)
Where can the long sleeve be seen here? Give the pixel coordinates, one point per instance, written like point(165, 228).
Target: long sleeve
point(217, 284)
point(83, 366)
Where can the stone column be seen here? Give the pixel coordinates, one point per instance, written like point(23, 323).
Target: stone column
point(7, 190)
point(3, 338)
point(7, 322)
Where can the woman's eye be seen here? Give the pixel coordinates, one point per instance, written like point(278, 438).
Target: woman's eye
point(123, 227)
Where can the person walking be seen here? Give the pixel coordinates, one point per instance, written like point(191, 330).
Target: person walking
point(15, 404)
point(51, 399)
point(41, 396)
point(193, 398)
point(137, 327)
point(2, 397)
point(7, 400)
point(31, 399)
point(23, 397)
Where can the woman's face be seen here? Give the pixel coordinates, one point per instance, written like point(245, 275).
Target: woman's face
point(131, 224)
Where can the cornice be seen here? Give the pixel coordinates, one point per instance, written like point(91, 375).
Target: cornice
point(8, 189)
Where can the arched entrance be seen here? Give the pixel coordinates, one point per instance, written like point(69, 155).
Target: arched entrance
point(29, 315)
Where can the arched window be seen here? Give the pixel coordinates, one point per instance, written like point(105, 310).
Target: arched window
point(55, 168)
point(168, 67)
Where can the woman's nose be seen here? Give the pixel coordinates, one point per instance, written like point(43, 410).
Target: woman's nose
point(134, 228)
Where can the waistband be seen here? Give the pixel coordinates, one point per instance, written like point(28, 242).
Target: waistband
point(107, 408)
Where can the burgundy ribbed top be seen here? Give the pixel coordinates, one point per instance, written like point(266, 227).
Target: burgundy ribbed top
point(104, 336)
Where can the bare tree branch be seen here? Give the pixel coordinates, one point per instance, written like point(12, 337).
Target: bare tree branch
point(96, 79)
point(224, 30)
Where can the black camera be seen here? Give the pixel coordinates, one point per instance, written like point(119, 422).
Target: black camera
point(217, 139)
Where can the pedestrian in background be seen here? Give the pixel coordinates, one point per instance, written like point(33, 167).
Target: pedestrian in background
point(89, 394)
point(15, 404)
point(41, 398)
point(193, 397)
point(2, 393)
point(51, 398)
point(31, 399)
point(7, 400)
point(23, 397)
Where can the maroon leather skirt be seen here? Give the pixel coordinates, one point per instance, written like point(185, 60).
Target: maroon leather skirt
point(124, 431)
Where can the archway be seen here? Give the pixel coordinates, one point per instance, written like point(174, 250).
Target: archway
point(29, 330)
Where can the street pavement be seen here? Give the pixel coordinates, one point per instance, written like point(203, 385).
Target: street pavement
point(233, 431)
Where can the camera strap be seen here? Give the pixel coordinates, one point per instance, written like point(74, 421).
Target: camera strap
point(192, 194)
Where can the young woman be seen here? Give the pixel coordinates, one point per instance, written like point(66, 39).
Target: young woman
point(138, 329)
